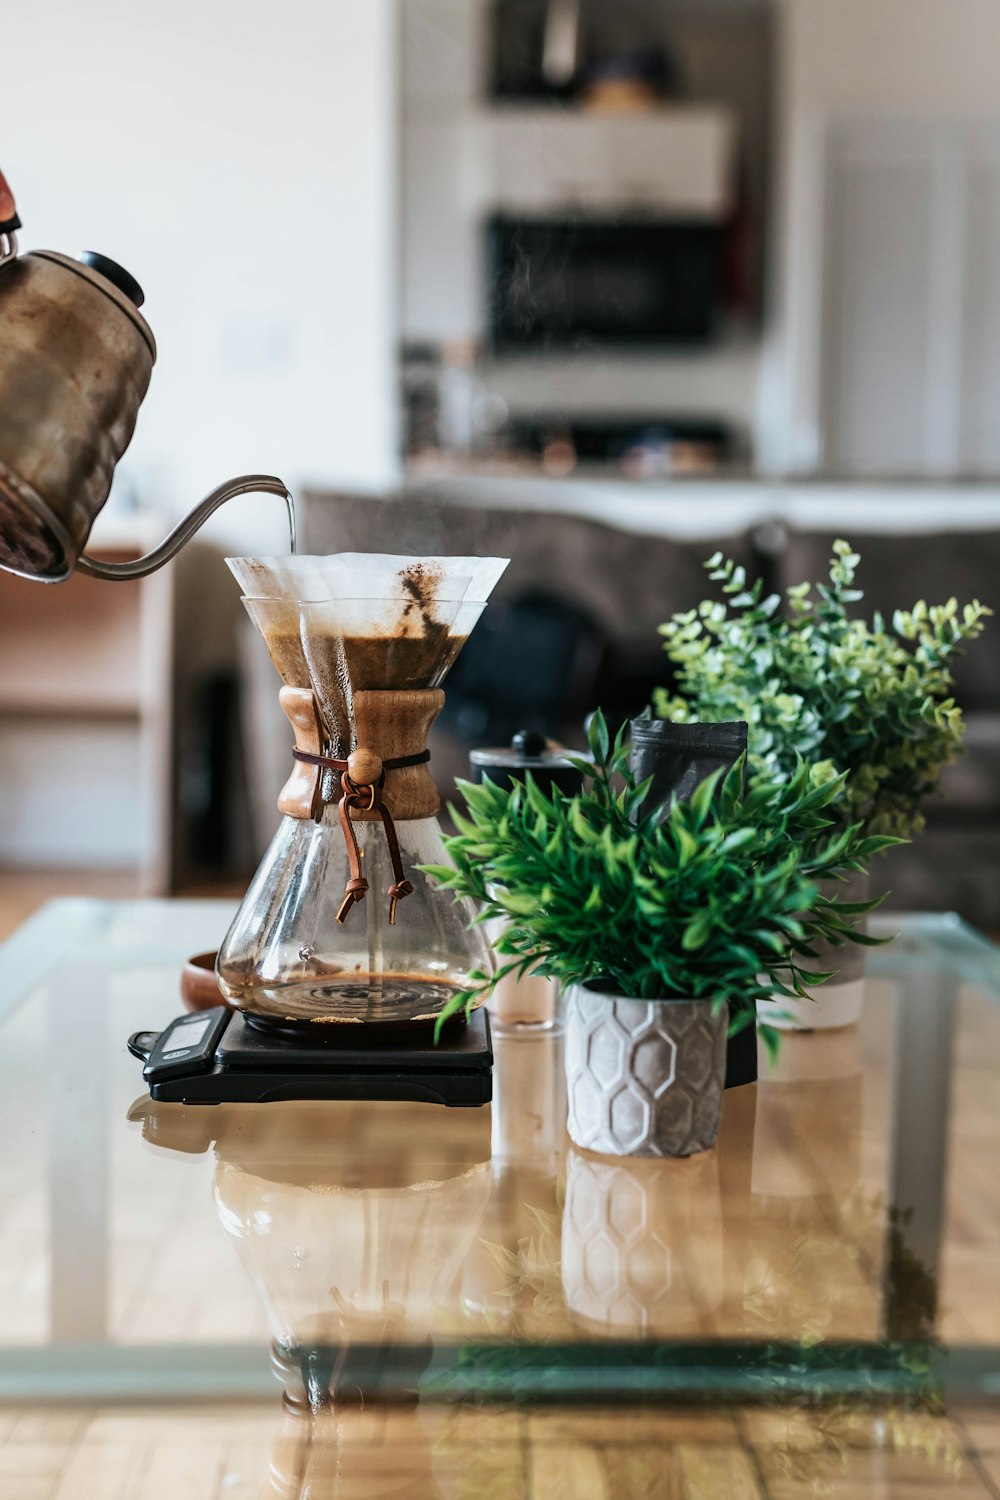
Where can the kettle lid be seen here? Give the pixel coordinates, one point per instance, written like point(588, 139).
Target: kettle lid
point(120, 287)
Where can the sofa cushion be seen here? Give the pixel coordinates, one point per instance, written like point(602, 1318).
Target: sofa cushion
point(972, 784)
point(944, 870)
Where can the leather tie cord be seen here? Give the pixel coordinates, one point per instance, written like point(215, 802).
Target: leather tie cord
point(353, 795)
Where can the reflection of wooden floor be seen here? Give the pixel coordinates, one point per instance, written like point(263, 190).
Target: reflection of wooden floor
point(813, 1258)
point(243, 1453)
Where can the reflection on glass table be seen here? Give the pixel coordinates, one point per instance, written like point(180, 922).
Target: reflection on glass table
point(836, 1243)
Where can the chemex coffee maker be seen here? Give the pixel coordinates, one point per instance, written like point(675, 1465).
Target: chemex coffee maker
point(343, 954)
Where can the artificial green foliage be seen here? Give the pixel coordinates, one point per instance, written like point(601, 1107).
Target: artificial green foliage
point(849, 696)
point(707, 902)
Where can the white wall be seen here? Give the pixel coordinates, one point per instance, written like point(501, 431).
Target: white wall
point(847, 59)
point(239, 158)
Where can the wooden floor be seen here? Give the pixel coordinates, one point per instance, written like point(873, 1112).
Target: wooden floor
point(235, 1453)
point(24, 891)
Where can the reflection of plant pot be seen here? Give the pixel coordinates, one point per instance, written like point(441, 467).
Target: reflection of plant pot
point(510, 1279)
point(814, 1239)
point(814, 1080)
point(642, 1244)
point(529, 1101)
point(644, 1077)
point(838, 1002)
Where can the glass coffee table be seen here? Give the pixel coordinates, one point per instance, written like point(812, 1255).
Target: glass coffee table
point(836, 1249)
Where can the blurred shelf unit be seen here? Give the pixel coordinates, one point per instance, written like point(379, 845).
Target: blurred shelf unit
point(471, 157)
point(462, 166)
point(85, 718)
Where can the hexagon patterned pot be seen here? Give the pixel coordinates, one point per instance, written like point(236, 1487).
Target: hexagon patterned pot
point(644, 1077)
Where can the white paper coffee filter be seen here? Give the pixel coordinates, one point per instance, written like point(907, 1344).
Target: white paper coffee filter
point(376, 575)
point(368, 576)
point(279, 577)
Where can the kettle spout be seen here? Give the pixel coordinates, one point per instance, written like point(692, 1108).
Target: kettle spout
point(264, 484)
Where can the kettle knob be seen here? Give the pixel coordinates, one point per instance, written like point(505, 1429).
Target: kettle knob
point(116, 274)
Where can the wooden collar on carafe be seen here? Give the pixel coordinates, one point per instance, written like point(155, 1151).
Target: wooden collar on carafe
point(384, 778)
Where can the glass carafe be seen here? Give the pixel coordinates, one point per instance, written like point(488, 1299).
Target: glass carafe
point(339, 925)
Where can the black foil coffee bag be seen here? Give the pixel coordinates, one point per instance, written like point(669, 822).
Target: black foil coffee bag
point(678, 758)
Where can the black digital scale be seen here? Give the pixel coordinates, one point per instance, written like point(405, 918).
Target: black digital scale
point(217, 1057)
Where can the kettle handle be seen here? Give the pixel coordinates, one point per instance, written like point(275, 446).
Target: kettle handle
point(264, 484)
point(9, 222)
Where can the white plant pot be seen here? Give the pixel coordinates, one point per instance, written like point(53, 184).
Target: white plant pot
point(827, 1009)
point(521, 1004)
point(839, 1002)
point(643, 1077)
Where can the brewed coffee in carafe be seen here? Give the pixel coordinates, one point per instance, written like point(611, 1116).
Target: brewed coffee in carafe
point(340, 926)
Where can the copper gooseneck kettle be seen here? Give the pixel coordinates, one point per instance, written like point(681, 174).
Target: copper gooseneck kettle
point(76, 357)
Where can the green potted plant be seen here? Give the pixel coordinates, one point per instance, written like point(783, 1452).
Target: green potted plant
point(663, 929)
point(865, 699)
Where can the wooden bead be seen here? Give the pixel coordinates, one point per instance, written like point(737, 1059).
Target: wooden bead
point(364, 767)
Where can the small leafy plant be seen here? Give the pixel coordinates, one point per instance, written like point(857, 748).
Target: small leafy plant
point(718, 899)
point(849, 696)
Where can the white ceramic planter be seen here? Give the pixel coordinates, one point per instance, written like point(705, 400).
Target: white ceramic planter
point(643, 1077)
point(828, 1009)
point(839, 1002)
point(531, 1003)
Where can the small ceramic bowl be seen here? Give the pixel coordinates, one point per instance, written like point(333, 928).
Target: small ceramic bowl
point(199, 986)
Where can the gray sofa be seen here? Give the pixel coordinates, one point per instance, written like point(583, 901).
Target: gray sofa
point(618, 587)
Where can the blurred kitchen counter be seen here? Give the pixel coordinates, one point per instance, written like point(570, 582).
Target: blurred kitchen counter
point(711, 505)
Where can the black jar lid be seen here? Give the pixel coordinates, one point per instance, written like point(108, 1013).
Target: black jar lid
point(527, 751)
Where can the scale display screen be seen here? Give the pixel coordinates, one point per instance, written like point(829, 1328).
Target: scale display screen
point(188, 1035)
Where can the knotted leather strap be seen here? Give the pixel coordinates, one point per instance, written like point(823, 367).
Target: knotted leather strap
point(367, 797)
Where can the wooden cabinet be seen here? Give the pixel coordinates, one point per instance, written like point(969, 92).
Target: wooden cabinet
point(85, 716)
point(671, 161)
point(549, 159)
